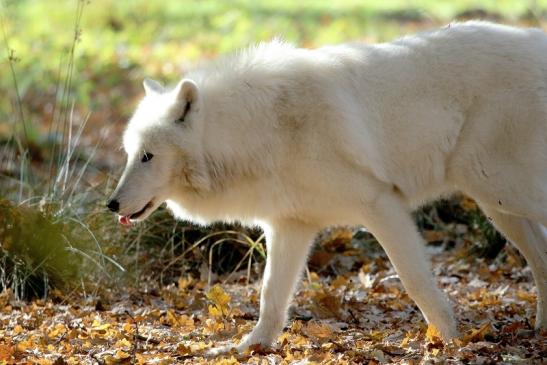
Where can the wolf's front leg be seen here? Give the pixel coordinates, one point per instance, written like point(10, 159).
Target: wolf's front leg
point(287, 245)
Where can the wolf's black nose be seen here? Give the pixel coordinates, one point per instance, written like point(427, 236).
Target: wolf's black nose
point(113, 205)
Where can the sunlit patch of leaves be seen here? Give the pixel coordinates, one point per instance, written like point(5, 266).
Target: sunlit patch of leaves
point(352, 317)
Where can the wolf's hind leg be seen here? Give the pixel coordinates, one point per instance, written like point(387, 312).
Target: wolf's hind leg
point(531, 240)
point(391, 223)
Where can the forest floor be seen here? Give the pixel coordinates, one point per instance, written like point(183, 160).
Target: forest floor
point(353, 310)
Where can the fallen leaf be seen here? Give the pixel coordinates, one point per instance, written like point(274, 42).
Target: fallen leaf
point(6, 352)
point(220, 299)
point(477, 334)
point(318, 331)
point(523, 295)
point(433, 335)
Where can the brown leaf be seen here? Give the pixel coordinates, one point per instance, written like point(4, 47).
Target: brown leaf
point(6, 352)
point(318, 331)
point(320, 259)
point(512, 328)
point(434, 236)
point(339, 282)
point(477, 334)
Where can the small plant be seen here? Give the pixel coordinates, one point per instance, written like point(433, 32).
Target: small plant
point(445, 215)
point(36, 251)
point(47, 215)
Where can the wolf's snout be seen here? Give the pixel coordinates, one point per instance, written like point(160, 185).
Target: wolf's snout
point(113, 205)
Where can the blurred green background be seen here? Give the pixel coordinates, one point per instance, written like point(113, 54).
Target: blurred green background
point(122, 41)
point(70, 76)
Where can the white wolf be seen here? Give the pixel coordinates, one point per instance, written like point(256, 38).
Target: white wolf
point(298, 139)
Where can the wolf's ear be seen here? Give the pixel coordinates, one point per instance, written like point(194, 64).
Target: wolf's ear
point(152, 87)
point(186, 91)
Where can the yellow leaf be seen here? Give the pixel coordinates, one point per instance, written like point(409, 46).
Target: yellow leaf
point(220, 299)
point(128, 327)
point(296, 326)
point(523, 295)
point(218, 296)
point(313, 277)
point(409, 336)
point(212, 326)
point(42, 361)
point(432, 334)
point(214, 311)
point(432, 236)
point(123, 343)
point(182, 349)
point(121, 355)
point(198, 346)
point(25, 345)
point(7, 295)
point(299, 341)
point(185, 282)
point(58, 330)
point(231, 361)
point(375, 335)
point(171, 318)
point(186, 323)
point(97, 326)
point(468, 204)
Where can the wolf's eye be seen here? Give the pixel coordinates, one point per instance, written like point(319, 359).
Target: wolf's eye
point(146, 157)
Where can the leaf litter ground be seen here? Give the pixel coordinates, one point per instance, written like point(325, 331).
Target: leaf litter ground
point(350, 309)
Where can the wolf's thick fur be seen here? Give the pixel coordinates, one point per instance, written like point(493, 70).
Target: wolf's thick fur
point(295, 140)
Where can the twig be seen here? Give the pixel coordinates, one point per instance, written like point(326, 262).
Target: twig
point(61, 338)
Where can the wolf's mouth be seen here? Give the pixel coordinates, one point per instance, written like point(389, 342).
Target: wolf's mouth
point(140, 212)
point(126, 219)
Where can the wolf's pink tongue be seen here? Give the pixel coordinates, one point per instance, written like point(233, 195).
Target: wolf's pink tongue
point(124, 220)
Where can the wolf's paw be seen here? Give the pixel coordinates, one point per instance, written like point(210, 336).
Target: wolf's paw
point(249, 342)
point(254, 343)
point(450, 333)
point(220, 350)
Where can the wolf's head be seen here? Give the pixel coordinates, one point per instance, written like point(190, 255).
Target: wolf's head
point(163, 150)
